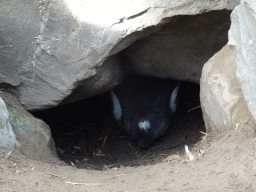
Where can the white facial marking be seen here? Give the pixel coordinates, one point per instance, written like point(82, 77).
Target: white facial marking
point(116, 105)
point(144, 125)
point(173, 104)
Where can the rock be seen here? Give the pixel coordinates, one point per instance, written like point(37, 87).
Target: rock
point(181, 48)
point(7, 137)
point(242, 40)
point(51, 48)
point(221, 97)
point(33, 135)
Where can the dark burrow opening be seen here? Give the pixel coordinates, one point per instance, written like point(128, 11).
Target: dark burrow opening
point(86, 134)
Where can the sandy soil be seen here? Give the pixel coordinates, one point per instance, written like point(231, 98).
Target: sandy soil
point(227, 163)
point(99, 156)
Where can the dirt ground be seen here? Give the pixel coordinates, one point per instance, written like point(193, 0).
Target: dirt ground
point(96, 155)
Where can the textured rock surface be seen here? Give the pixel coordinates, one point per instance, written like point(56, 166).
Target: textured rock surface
point(222, 100)
point(33, 135)
point(7, 137)
point(181, 48)
point(242, 39)
point(50, 48)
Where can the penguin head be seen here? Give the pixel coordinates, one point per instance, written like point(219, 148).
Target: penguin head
point(143, 106)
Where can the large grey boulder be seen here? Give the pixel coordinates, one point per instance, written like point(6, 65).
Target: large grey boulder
point(242, 39)
point(221, 97)
point(51, 49)
point(181, 48)
point(7, 136)
point(19, 129)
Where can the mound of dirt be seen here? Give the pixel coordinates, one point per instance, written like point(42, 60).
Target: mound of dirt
point(223, 162)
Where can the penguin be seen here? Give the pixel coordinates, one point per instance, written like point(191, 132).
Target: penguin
point(144, 106)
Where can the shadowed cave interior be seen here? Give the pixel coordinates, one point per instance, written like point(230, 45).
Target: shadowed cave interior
point(86, 134)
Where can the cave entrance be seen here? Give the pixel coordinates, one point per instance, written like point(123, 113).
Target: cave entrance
point(86, 134)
